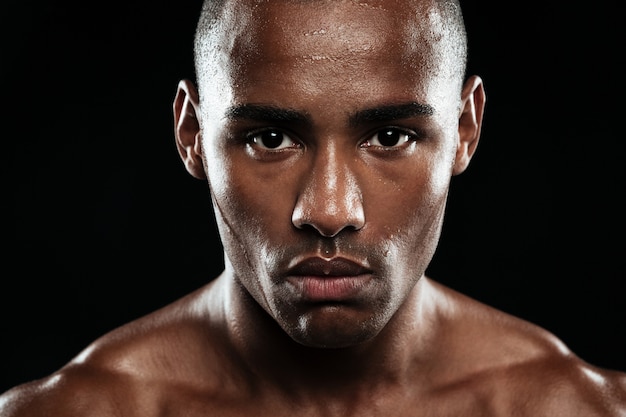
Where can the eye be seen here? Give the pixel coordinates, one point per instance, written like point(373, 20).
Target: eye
point(389, 137)
point(272, 139)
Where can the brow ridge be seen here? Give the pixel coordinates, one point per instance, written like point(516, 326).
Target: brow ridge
point(262, 112)
point(391, 112)
point(271, 113)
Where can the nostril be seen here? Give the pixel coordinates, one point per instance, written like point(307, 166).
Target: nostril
point(324, 232)
point(329, 223)
point(309, 228)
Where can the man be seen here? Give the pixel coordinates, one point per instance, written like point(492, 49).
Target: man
point(328, 133)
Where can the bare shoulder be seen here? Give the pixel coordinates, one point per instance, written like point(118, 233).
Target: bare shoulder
point(518, 365)
point(563, 384)
point(128, 371)
point(72, 391)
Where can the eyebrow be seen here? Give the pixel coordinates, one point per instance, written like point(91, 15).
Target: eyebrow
point(391, 112)
point(265, 113)
point(269, 113)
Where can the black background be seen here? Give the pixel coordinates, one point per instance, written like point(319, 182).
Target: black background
point(101, 223)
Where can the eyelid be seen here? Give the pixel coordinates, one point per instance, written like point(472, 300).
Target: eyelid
point(250, 139)
point(413, 135)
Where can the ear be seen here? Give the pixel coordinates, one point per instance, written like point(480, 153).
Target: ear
point(187, 128)
point(470, 122)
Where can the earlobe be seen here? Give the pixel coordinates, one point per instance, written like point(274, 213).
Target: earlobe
point(470, 122)
point(187, 128)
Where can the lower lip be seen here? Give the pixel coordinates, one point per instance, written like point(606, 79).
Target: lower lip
point(329, 288)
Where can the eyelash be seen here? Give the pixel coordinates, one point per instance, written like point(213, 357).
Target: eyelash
point(250, 138)
point(410, 136)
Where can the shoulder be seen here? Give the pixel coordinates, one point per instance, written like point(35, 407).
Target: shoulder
point(521, 366)
point(97, 382)
point(73, 391)
point(172, 353)
point(563, 384)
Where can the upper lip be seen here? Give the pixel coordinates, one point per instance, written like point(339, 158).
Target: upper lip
point(335, 267)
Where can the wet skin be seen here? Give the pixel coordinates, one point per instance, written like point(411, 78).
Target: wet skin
point(328, 149)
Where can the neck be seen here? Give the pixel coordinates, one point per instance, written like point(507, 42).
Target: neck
point(401, 348)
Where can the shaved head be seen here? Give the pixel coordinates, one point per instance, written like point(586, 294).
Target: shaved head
point(435, 21)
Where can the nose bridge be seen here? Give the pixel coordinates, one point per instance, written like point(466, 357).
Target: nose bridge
point(330, 199)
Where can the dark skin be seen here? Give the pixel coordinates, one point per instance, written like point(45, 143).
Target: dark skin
point(329, 195)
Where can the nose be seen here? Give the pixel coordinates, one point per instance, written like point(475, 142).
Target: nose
point(330, 199)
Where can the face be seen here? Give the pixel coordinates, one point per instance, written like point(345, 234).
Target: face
point(330, 131)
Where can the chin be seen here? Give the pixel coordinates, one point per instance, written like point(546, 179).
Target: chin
point(333, 331)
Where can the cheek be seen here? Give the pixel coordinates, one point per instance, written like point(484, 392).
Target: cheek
point(250, 206)
point(408, 213)
point(409, 191)
point(428, 202)
point(244, 226)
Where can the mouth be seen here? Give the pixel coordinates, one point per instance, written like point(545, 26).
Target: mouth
point(322, 280)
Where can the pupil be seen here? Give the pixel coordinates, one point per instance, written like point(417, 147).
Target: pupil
point(272, 139)
point(389, 137)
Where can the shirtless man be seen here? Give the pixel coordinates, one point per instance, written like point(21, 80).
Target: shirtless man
point(328, 133)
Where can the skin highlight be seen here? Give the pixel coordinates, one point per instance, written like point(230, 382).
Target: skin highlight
point(335, 187)
point(328, 133)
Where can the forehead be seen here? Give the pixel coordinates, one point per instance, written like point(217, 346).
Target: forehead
point(345, 23)
point(337, 29)
point(331, 45)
